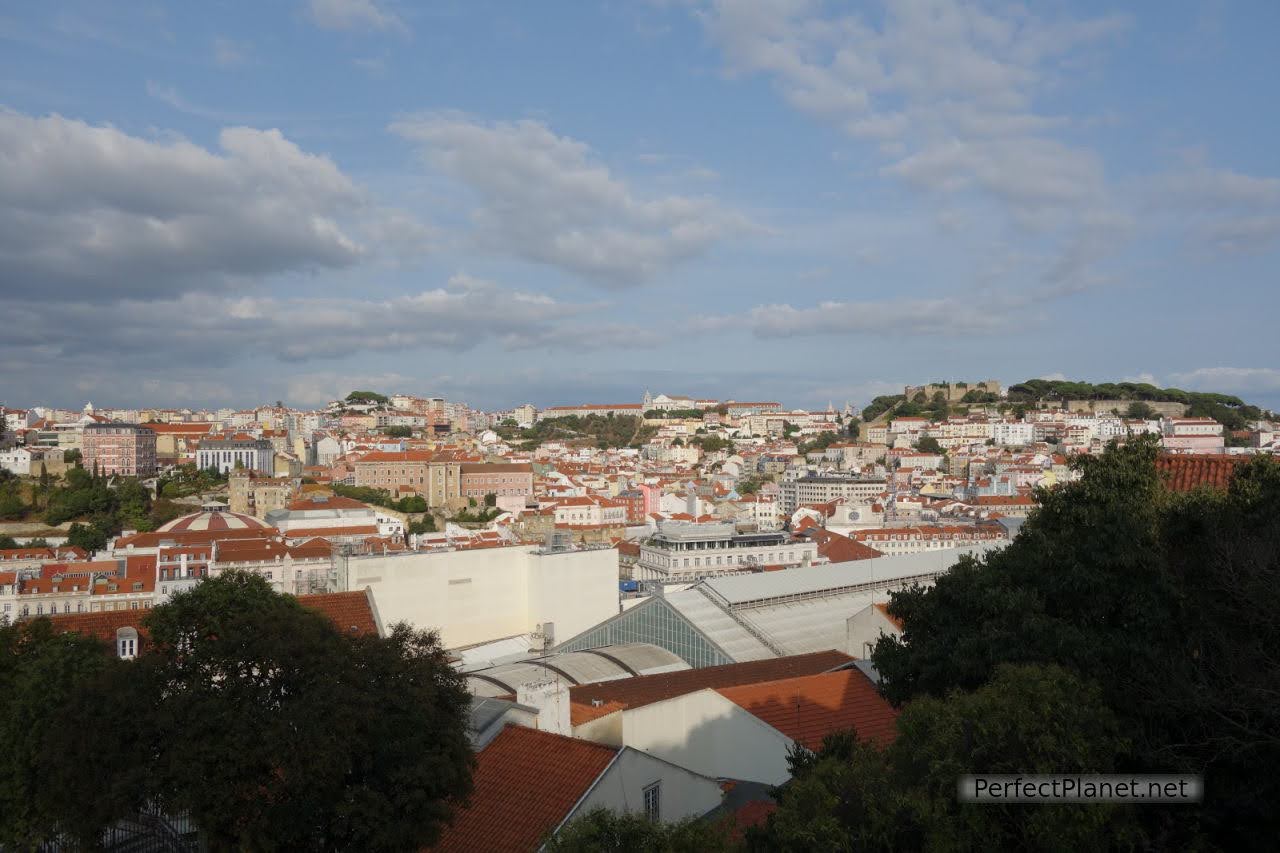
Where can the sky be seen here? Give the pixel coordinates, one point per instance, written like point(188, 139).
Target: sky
point(230, 203)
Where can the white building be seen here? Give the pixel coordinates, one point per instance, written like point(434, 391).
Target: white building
point(471, 596)
point(812, 489)
point(682, 551)
point(249, 454)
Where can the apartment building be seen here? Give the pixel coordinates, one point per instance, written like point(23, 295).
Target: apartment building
point(814, 489)
point(239, 451)
point(128, 450)
point(683, 551)
point(437, 479)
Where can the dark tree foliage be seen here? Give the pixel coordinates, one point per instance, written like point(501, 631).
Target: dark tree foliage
point(602, 829)
point(8, 542)
point(604, 431)
point(296, 736)
point(928, 444)
point(397, 431)
point(880, 405)
point(380, 497)
point(370, 397)
point(268, 724)
point(62, 732)
point(1167, 601)
point(853, 796)
point(1228, 410)
point(711, 443)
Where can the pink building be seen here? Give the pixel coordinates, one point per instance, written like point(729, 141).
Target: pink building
point(125, 449)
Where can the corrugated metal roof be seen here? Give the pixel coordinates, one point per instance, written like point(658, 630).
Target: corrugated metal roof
point(739, 589)
point(810, 624)
point(718, 626)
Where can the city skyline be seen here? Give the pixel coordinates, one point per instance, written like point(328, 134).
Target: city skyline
point(226, 204)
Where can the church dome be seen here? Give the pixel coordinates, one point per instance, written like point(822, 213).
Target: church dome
point(214, 517)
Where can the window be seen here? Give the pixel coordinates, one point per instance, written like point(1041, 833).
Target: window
point(653, 802)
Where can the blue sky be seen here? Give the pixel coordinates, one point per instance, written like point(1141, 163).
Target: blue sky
point(224, 203)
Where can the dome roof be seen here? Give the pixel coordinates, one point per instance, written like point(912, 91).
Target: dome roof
point(215, 519)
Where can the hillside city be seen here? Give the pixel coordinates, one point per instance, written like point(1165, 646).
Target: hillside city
point(656, 426)
point(585, 565)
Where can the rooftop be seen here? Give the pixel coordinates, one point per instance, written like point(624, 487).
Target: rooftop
point(646, 689)
point(808, 708)
point(526, 783)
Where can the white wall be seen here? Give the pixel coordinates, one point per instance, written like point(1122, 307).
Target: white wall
point(708, 734)
point(621, 788)
point(489, 593)
point(864, 628)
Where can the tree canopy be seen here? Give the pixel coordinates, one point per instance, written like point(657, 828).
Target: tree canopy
point(258, 717)
point(1165, 601)
point(852, 795)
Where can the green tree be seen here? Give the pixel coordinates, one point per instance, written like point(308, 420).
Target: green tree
point(51, 781)
point(426, 524)
point(1166, 601)
point(289, 734)
point(8, 542)
point(854, 796)
point(369, 397)
point(12, 506)
point(928, 444)
point(90, 537)
point(73, 456)
point(490, 499)
point(398, 431)
point(602, 829)
point(1140, 411)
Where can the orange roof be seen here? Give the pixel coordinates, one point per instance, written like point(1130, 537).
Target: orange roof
point(397, 456)
point(808, 708)
point(526, 783)
point(884, 611)
point(838, 548)
point(350, 611)
point(646, 689)
point(1184, 472)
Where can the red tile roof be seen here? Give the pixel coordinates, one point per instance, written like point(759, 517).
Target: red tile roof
point(1185, 472)
point(526, 783)
point(808, 708)
point(840, 549)
point(646, 689)
point(350, 612)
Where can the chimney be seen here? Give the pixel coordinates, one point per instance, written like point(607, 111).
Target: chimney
point(551, 698)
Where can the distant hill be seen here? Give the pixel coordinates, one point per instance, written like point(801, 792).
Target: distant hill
point(1228, 410)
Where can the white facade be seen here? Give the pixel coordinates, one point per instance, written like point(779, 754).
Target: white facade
point(686, 551)
point(471, 596)
point(814, 490)
point(226, 456)
point(16, 460)
point(635, 780)
point(702, 731)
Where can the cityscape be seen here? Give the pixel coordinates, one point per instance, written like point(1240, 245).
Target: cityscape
point(682, 425)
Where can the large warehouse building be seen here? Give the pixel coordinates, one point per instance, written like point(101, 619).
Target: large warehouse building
point(476, 595)
point(767, 615)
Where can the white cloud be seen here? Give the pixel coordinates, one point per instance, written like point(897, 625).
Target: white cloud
point(365, 15)
point(230, 54)
point(945, 316)
point(1240, 380)
point(1225, 210)
point(204, 328)
point(545, 198)
point(947, 90)
point(91, 212)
